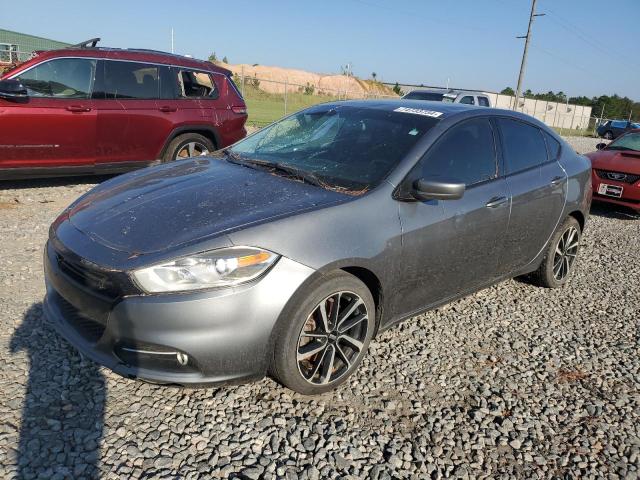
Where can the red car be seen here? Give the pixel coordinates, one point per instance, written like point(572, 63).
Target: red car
point(616, 171)
point(101, 110)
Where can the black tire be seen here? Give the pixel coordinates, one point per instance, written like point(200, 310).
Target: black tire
point(608, 135)
point(308, 375)
point(181, 144)
point(563, 247)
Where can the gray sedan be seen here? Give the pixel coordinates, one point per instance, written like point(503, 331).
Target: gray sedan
point(288, 252)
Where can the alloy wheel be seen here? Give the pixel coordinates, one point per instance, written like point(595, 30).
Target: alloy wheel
point(565, 253)
point(191, 149)
point(332, 338)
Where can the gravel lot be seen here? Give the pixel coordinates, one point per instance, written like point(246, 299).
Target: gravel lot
point(512, 381)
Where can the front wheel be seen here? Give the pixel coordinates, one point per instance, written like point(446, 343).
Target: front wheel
point(560, 257)
point(608, 135)
point(326, 335)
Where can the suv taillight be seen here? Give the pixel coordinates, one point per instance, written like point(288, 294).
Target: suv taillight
point(239, 109)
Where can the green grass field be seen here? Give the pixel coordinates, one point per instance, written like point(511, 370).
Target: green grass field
point(264, 107)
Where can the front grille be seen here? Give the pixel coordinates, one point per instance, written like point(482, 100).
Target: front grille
point(618, 176)
point(89, 329)
point(107, 283)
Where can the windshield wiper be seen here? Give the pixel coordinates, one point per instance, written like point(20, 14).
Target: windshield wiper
point(290, 170)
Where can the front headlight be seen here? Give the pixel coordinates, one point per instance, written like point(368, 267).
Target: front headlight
point(217, 268)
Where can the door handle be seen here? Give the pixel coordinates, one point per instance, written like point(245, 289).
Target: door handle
point(167, 109)
point(496, 202)
point(78, 108)
point(557, 180)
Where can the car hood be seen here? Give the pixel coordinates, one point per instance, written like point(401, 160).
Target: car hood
point(616, 161)
point(162, 207)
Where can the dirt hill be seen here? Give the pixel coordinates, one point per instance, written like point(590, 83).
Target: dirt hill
point(272, 79)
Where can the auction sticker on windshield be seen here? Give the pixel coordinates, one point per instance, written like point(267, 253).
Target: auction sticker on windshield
point(419, 111)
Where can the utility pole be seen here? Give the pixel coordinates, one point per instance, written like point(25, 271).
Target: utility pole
point(527, 38)
point(172, 40)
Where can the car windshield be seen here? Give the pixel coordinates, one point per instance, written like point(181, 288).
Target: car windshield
point(630, 141)
point(339, 147)
point(447, 99)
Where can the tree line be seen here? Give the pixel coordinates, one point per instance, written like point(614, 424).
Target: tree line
point(615, 107)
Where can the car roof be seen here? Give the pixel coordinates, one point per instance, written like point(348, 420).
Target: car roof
point(447, 110)
point(141, 55)
point(448, 92)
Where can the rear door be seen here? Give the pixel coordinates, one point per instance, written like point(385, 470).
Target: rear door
point(452, 246)
point(56, 127)
point(131, 126)
point(537, 186)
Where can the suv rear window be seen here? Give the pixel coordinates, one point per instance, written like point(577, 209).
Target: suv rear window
point(196, 84)
point(417, 95)
point(524, 146)
point(483, 101)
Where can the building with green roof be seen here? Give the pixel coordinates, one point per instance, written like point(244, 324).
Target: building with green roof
point(15, 47)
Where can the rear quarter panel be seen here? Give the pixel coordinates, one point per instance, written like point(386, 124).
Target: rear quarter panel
point(579, 192)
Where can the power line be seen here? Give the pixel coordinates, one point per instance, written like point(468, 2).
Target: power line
point(586, 38)
point(527, 38)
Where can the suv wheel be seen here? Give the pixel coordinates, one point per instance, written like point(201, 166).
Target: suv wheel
point(325, 336)
point(561, 255)
point(188, 145)
point(608, 135)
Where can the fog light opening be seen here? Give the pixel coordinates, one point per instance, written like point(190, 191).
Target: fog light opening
point(182, 358)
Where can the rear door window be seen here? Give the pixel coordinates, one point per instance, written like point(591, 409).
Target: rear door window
point(523, 144)
point(193, 84)
point(466, 153)
point(60, 78)
point(483, 101)
point(128, 81)
point(553, 146)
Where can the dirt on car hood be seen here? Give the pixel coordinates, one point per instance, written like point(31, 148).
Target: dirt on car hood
point(158, 208)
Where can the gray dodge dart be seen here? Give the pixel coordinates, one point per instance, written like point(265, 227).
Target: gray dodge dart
point(286, 253)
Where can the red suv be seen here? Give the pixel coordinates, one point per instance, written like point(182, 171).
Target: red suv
point(101, 110)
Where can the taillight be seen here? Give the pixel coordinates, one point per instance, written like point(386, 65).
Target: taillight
point(240, 110)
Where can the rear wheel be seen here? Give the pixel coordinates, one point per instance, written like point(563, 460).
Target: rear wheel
point(560, 257)
point(326, 336)
point(188, 145)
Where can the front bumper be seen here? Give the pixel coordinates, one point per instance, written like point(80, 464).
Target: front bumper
point(630, 192)
point(224, 333)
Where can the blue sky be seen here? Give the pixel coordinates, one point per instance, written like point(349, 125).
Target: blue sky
point(579, 47)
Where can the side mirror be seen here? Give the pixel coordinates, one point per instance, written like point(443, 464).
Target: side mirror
point(13, 90)
point(600, 146)
point(438, 189)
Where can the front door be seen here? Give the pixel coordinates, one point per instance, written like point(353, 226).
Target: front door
point(56, 127)
point(452, 246)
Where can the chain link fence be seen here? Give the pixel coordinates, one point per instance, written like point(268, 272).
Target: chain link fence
point(268, 100)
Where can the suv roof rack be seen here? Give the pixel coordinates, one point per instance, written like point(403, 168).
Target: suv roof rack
point(91, 43)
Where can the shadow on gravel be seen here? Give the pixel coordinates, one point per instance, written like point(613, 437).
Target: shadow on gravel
point(613, 211)
point(52, 182)
point(63, 409)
